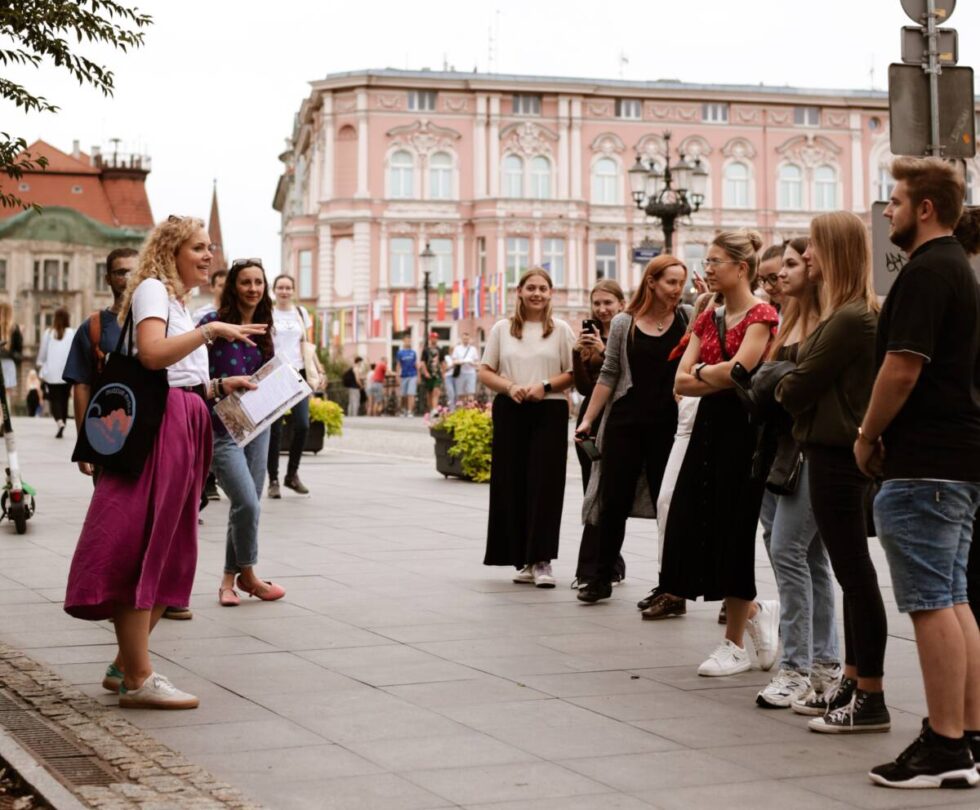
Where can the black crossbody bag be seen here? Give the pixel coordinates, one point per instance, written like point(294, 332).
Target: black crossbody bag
point(124, 414)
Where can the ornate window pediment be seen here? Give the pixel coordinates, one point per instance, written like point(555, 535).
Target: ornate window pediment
point(810, 150)
point(608, 143)
point(424, 137)
point(651, 146)
point(527, 138)
point(694, 146)
point(739, 149)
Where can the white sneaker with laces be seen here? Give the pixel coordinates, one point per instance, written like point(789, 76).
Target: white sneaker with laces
point(543, 578)
point(525, 576)
point(727, 659)
point(156, 693)
point(825, 680)
point(788, 685)
point(763, 629)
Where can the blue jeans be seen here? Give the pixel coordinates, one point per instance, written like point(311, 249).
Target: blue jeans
point(299, 417)
point(926, 529)
point(241, 473)
point(804, 579)
point(449, 383)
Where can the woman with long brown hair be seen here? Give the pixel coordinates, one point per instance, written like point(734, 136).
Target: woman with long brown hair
point(827, 395)
point(11, 347)
point(636, 436)
point(51, 360)
point(527, 362)
point(607, 300)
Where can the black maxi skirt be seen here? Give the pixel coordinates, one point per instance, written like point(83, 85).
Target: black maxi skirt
point(709, 547)
point(527, 481)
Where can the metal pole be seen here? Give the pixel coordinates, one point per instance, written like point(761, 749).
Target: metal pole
point(933, 70)
point(425, 316)
point(668, 224)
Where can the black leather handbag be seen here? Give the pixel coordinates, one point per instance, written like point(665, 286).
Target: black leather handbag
point(124, 414)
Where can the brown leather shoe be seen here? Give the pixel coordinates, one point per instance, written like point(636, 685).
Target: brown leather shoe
point(665, 606)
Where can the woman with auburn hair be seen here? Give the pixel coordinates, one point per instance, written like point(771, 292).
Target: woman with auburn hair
point(635, 438)
point(709, 548)
point(827, 395)
point(607, 300)
point(137, 551)
point(527, 362)
point(51, 360)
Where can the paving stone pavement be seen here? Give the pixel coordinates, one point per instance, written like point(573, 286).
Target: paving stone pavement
point(399, 672)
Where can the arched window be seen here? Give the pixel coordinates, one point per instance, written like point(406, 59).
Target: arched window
point(541, 178)
point(605, 182)
point(400, 170)
point(824, 188)
point(790, 187)
point(512, 176)
point(440, 176)
point(736, 185)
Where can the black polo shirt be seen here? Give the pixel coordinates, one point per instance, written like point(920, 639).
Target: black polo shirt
point(933, 309)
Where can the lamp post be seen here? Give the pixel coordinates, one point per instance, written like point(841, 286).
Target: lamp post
point(425, 259)
point(675, 191)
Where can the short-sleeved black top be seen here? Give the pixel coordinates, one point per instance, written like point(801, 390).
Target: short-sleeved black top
point(933, 309)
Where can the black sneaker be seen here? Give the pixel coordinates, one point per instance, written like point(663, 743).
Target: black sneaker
point(211, 488)
point(293, 482)
point(596, 589)
point(926, 763)
point(866, 713)
point(974, 740)
point(649, 599)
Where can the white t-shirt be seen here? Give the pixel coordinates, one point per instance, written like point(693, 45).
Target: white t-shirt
point(54, 355)
point(152, 301)
point(289, 331)
point(466, 356)
point(532, 358)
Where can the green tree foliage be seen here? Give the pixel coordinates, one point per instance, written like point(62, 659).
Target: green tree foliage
point(36, 32)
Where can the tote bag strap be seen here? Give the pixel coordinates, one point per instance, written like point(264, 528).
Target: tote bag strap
point(126, 333)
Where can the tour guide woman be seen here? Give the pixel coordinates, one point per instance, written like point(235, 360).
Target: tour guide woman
point(241, 470)
point(528, 363)
point(138, 548)
point(636, 436)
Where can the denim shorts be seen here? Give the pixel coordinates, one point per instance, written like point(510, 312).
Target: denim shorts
point(926, 528)
point(409, 386)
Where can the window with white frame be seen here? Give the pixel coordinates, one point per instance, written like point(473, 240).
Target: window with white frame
point(605, 182)
point(790, 187)
point(442, 264)
point(440, 176)
point(401, 168)
point(46, 274)
point(553, 259)
point(305, 273)
point(422, 100)
point(736, 185)
point(540, 177)
point(3, 275)
point(101, 285)
point(885, 184)
point(824, 188)
point(517, 256)
point(714, 113)
point(605, 259)
point(481, 255)
point(526, 104)
point(629, 108)
point(512, 176)
point(806, 116)
point(401, 262)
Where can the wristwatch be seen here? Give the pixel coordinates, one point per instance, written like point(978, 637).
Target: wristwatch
point(547, 386)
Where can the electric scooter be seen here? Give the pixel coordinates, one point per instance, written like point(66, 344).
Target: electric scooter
point(17, 498)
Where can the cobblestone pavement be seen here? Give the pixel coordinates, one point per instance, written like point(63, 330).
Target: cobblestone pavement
point(400, 673)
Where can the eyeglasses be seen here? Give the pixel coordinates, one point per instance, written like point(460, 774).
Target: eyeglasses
point(173, 219)
point(119, 272)
point(247, 263)
point(716, 262)
point(769, 281)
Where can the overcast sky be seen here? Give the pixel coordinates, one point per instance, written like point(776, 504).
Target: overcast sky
point(213, 93)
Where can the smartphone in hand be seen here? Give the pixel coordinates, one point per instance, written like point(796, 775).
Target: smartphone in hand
point(592, 325)
point(588, 447)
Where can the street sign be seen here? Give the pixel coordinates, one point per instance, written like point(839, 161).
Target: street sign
point(915, 47)
point(641, 255)
point(908, 110)
point(917, 9)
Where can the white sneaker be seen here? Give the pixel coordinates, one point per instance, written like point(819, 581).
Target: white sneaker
point(787, 686)
point(525, 576)
point(156, 693)
point(763, 629)
point(825, 677)
point(542, 576)
point(825, 680)
point(727, 659)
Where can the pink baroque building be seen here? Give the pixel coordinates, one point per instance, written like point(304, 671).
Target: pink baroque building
point(499, 173)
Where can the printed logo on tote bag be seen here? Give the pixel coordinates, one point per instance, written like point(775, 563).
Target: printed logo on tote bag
point(110, 417)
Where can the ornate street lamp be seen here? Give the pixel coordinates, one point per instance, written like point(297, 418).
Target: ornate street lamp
point(425, 260)
point(668, 193)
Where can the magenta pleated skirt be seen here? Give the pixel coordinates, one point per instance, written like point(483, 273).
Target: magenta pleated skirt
point(138, 546)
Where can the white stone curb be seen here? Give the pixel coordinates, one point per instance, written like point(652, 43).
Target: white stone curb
point(35, 775)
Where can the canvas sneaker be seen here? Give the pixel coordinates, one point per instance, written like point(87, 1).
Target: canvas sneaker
point(542, 576)
point(156, 693)
point(817, 702)
point(974, 740)
point(727, 659)
point(113, 679)
point(787, 686)
point(274, 492)
point(866, 713)
point(927, 763)
point(763, 629)
point(525, 576)
point(594, 591)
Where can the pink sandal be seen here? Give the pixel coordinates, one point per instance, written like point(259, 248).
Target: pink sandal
point(267, 591)
point(228, 598)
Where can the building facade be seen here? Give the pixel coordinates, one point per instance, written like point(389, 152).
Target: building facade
point(500, 173)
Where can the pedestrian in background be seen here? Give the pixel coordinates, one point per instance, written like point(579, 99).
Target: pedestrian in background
point(406, 367)
point(217, 284)
point(430, 367)
point(466, 359)
point(376, 388)
point(827, 394)
point(51, 359)
point(11, 348)
point(637, 380)
point(35, 394)
point(353, 386)
point(291, 326)
point(528, 364)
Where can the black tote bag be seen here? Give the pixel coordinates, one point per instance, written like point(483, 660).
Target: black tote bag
point(124, 414)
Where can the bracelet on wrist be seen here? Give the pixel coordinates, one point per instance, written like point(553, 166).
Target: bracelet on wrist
point(864, 437)
point(207, 333)
point(697, 372)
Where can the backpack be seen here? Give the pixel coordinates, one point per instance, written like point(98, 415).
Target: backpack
point(95, 338)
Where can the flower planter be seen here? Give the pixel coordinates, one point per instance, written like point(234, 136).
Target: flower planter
point(446, 464)
point(314, 439)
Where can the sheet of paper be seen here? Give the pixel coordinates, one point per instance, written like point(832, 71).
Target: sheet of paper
point(273, 391)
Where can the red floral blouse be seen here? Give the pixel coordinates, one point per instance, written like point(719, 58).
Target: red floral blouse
point(705, 329)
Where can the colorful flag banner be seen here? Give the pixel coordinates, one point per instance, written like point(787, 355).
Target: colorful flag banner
point(502, 293)
point(493, 296)
point(463, 298)
point(441, 302)
point(343, 326)
point(355, 327)
point(454, 301)
point(478, 297)
point(376, 319)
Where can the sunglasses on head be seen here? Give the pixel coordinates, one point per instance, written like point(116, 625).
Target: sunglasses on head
point(247, 263)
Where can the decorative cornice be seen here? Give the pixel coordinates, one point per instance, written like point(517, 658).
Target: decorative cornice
point(695, 146)
point(739, 148)
point(608, 143)
point(423, 136)
point(809, 150)
point(527, 138)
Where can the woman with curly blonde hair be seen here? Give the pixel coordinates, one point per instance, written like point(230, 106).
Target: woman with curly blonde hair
point(137, 551)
